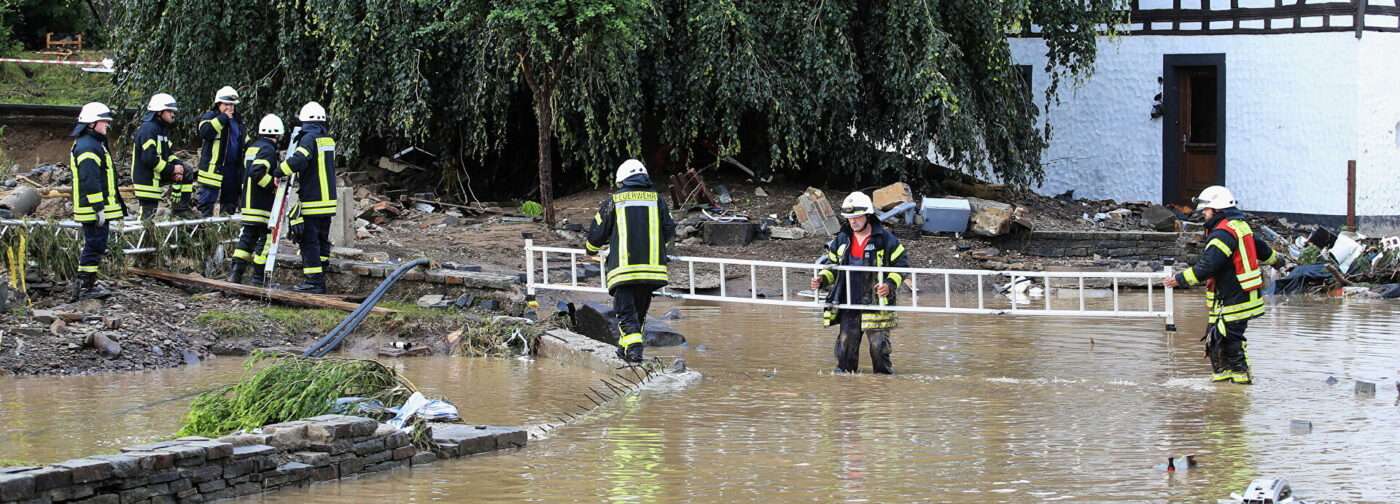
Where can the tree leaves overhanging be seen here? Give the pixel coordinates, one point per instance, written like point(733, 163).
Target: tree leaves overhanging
point(784, 85)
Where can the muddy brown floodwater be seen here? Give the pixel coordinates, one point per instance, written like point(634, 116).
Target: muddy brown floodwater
point(984, 409)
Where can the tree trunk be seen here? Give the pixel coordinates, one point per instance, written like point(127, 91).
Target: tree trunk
point(544, 114)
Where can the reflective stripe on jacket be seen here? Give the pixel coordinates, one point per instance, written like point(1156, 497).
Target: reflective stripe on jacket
point(313, 161)
point(151, 154)
point(215, 159)
point(259, 191)
point(1229, 267)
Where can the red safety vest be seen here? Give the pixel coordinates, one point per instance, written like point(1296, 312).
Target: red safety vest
point(1244, 256)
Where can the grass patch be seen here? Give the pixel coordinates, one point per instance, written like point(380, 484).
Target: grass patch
point(303, 320)
point(14, 463)
point(51, 84)
point(228, 324)
point(289, 388)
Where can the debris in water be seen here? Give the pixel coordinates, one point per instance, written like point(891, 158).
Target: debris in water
point(1300, 426)
point(1265, 491)
point(1331, 380)
point(1365, 389)
point(1183, 463)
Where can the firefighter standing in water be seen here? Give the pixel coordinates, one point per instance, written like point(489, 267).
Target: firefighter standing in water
point(863, 241)
point(1229, 266)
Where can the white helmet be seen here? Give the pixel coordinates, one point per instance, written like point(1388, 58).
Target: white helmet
point(94, 112)
point(227, 95)
point(312, 111)
point(1217, 197)
point(270, 125)
point(160, 102)
point(857, 204)
point(629, 168)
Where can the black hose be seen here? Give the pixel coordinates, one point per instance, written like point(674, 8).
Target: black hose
point(351, 321)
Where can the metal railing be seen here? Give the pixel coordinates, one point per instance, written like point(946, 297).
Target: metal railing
point(942, 293)
point(132, 236)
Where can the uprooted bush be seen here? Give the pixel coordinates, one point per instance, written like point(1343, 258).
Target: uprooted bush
point(289, 387)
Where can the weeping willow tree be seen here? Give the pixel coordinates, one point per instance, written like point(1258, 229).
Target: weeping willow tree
point(812, 86)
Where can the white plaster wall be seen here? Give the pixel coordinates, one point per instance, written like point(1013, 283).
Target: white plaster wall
point(1291, 118)
point(1378, 164)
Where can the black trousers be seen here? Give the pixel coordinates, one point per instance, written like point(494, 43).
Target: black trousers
point(630, 305)
point(251, 241)
point(1226, 348)
point(94, 246)
point(315, 243)
point(848, 345)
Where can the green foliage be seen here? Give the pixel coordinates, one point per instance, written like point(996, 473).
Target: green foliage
point(47, 84)
point(28, 21)
point(1310, 255)
point(8, 45)
point(14, 463)
point(793, 86)
point(289, 388)
point(531, 208)
point(228, 324)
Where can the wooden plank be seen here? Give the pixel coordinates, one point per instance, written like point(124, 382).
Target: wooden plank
point(291, 298)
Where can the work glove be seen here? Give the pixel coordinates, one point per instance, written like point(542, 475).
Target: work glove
point(101, 217)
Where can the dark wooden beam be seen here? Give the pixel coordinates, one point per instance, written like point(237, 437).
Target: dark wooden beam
point(285, 297)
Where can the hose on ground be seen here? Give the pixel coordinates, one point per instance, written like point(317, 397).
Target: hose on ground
point(343, 329)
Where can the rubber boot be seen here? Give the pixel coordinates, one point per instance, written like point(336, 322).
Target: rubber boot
point(148, 209)
point(236, 275)
point(88, 288)
point(315, 284)
point(184, 208)
point(633, 353)
point(257, 280)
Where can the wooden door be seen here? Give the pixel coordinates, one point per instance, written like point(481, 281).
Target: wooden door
point(1198, 142)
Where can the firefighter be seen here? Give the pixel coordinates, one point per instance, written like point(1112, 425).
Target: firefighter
point(153, 162)
point(1229, 266)
point(260, 164)
point(95, 198)
point(313, 161)
point(220, 167)
point(863, 241)
point(635, 226)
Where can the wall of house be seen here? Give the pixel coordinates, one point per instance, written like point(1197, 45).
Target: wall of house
point(1293, 117)
point(1378, 134)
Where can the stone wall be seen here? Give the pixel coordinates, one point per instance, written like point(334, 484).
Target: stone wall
point(198, 469)
point(1140, 246)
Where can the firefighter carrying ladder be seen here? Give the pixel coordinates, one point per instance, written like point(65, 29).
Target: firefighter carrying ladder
point(538, 276)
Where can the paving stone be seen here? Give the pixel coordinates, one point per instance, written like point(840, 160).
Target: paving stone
point(213, 450)
point(46, 478)
point(311, 458)
point(87, 470)
point(369, 446)
point(404, 452)
point(377, 457)
point(335, 448)
point(423, 458)
point(186, 456)
point(123, 466)
point(212, 485)
point(14, 487)
point(397, 439)
point(101, 499)
point(136, 494)
point(203, 474)
point(236, 468)
point(252, 450)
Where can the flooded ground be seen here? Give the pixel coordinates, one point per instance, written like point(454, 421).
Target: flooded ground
point(984, 409)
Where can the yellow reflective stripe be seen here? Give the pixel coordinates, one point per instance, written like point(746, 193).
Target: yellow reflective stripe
point(634, 196)
point(263, 162)
point(898, 251)
point(654, 234)
point(208, 177)
point(590, 247)
point(1250, 284)
point(1220, 245)
point(87, 269)
point(215, 124)
point(242, 254)
point(255, 211)
point(832, 257)
point(1245, 315)
point(319, 211)
point(1190, 276)
point(322, 176)
point(265, 180)
point(318, 204)
point(898, 279)
point(660, 277)
point(630, 339)
point(311, 270)
point(598, 219)
point(94, 198)
point(255, 219)
point(829, 275)
point(286, 169)
point(89, 155)
point(622, 255)
point(149, 143)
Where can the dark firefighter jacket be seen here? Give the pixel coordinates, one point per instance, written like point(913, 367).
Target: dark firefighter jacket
point(259, 162)
point(218, 156)
point(1233, 278)
point(94, 178)
point(313, 160)
point(151, 155)
point(882, 249)
point(636, 224)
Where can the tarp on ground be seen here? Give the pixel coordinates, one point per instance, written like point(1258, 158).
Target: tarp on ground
point(1299, 279)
